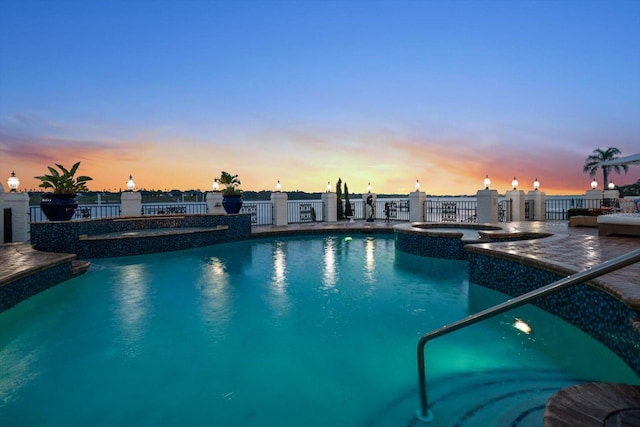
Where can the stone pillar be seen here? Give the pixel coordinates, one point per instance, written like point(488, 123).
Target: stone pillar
point(611, 198)
point(416, 206)
point(330, 207)
point(279, 202)
point(487, 211)
point(1, 214)
point(369, 201)
point(19, 205)
point(130, 203)
point(593, 199)
point(516, 198)
point(214, 203)
point(539, 200)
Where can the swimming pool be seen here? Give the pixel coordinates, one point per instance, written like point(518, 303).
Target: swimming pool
point(292, 331)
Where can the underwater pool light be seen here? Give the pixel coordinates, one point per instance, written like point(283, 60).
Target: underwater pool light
point(522, 326)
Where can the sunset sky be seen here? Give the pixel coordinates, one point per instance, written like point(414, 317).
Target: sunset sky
point(304, 92)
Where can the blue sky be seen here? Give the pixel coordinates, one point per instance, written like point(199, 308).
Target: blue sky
point(305, 92)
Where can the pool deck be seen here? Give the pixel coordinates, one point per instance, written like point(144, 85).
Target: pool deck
point(568, 250)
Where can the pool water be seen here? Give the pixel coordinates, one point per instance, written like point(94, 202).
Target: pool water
point(294, 331)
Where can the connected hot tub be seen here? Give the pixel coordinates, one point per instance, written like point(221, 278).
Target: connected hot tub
point(447, 240)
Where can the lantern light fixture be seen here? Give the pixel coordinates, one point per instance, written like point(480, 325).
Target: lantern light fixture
point(216, 185)
point(417, 185)
point(369, 188)
point(328, 186)
point(130, 184)
point(278, 186)
point(612, 186)
point(536, 184)
point(13, 182)
point(594, 184)
point(514, 183)
point(487, 182)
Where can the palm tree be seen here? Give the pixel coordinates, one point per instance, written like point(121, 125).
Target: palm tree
point(595, 160)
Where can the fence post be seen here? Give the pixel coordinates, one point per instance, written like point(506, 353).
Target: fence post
point(517, 204)
point(593, 199)
point(539, 205)
point(611, 198)
point(18, 202)
point(214, 203)
point(279, 201)
point(131, 203)
point(416, 206)
point(330, 206)
point(487, 206)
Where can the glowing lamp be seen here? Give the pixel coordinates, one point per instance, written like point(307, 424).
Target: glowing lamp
point(130, 184)
point(13, 182)
point(369, 188)
point(594, 184)
point(514, 183)
point(216, 185)
point(417, 185)
point(328, 187)
point(278, 186)
point(536, 184)
point(487, 182)
point(612, 186)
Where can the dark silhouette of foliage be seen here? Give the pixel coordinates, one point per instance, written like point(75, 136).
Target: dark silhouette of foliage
point(595, 160)
point(348, 212)
point(339, 197)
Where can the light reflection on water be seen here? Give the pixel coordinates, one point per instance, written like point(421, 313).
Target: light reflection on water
point(370, 261)
point(215, 291)
point(280, 299)
point(330, 271)
point(132, 301)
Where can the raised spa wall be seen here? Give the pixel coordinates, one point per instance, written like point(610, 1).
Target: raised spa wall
point(98, 238)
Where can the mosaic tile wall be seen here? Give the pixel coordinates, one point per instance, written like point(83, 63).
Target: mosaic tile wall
point(437, 247)
point(597, 313)
point(63, 237)
point(21, 289)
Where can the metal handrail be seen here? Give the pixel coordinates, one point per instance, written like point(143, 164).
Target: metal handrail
point(424, 413)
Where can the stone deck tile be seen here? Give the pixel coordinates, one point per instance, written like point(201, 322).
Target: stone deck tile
point(18, 260)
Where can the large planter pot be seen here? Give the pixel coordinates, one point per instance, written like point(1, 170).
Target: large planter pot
point(232, 203)
point(58, 207)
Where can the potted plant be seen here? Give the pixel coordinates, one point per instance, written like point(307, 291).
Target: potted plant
point(61, 204)
point(231, 195)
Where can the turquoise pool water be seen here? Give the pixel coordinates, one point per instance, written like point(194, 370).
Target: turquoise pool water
point(289, 332)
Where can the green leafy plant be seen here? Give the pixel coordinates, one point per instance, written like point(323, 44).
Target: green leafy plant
point(64, 181)
point(231, 183)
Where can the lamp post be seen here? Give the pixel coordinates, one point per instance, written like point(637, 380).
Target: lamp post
point(13, 182)
point(131, 201)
